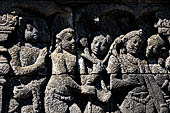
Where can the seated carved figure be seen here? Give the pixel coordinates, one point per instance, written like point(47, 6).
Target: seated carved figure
point(60, 90)
point(96, 73)
point(27, 60)
point(124, 67)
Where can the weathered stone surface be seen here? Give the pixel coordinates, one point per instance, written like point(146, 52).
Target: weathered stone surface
point(84, 56)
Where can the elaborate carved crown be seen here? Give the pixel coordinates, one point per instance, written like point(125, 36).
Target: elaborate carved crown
point(8, 22)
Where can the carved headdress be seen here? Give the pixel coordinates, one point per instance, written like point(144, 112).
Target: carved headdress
point(64, 33)
point(60, 36)
point(131, 34)
point(156, 40)
point(119, 43)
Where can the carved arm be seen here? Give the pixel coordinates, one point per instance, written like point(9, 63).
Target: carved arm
point(117, 84)
point(15, 62)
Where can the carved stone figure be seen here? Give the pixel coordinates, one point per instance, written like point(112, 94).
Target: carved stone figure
point(128, 63)
point(86, 71)
point(96, 72)
point(157, 53)
point(59, 93)
point(28, 59)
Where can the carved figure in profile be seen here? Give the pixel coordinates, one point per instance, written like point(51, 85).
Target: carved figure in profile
point(95, 73)
point(28, 60)
point(157, 54)
point(61, 88)
point(124, 67)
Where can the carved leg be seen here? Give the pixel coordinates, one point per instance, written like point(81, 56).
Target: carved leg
point(36, 93)
point(131, 106)
point(103, 93)
point(36, 100)
point(54, 105)
point(74, 108)
point(27, 109)
point(150, 107)
point(93, 108)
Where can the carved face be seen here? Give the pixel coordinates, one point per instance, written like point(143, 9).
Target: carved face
point(156, 48)
point(68, 43)
point(31, 33)
point(133, 45)
point(84, 42)
point(99, 46)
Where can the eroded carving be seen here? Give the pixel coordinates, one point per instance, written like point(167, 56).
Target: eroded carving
point(59, 93)
point(101, 62)
point(95, 71)
point(28, 59)
point(7, 26)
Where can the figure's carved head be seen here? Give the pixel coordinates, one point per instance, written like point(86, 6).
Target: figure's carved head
point(84, 42)
point(133, 42)
point(65, 40)
point(100, 45)
point(156, 47)
point(31, 33)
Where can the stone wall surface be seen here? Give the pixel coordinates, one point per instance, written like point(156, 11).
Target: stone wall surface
point(84, 56)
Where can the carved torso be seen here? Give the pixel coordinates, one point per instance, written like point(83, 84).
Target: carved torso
point(129, 64)
point(64, 65)
point(28, 55)
point(160, 73)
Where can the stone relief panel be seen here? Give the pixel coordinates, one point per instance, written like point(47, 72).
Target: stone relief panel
point(136, 70)
point(91, 58)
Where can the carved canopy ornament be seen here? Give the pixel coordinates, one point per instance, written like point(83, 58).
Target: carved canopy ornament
point(8, 22)
point(163, 23)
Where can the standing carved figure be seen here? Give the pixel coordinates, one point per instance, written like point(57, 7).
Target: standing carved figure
point(124, 67)
point(157, 53)
point(28, 59)
point(158, 47)
point(60, 90)
point(96, 73)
